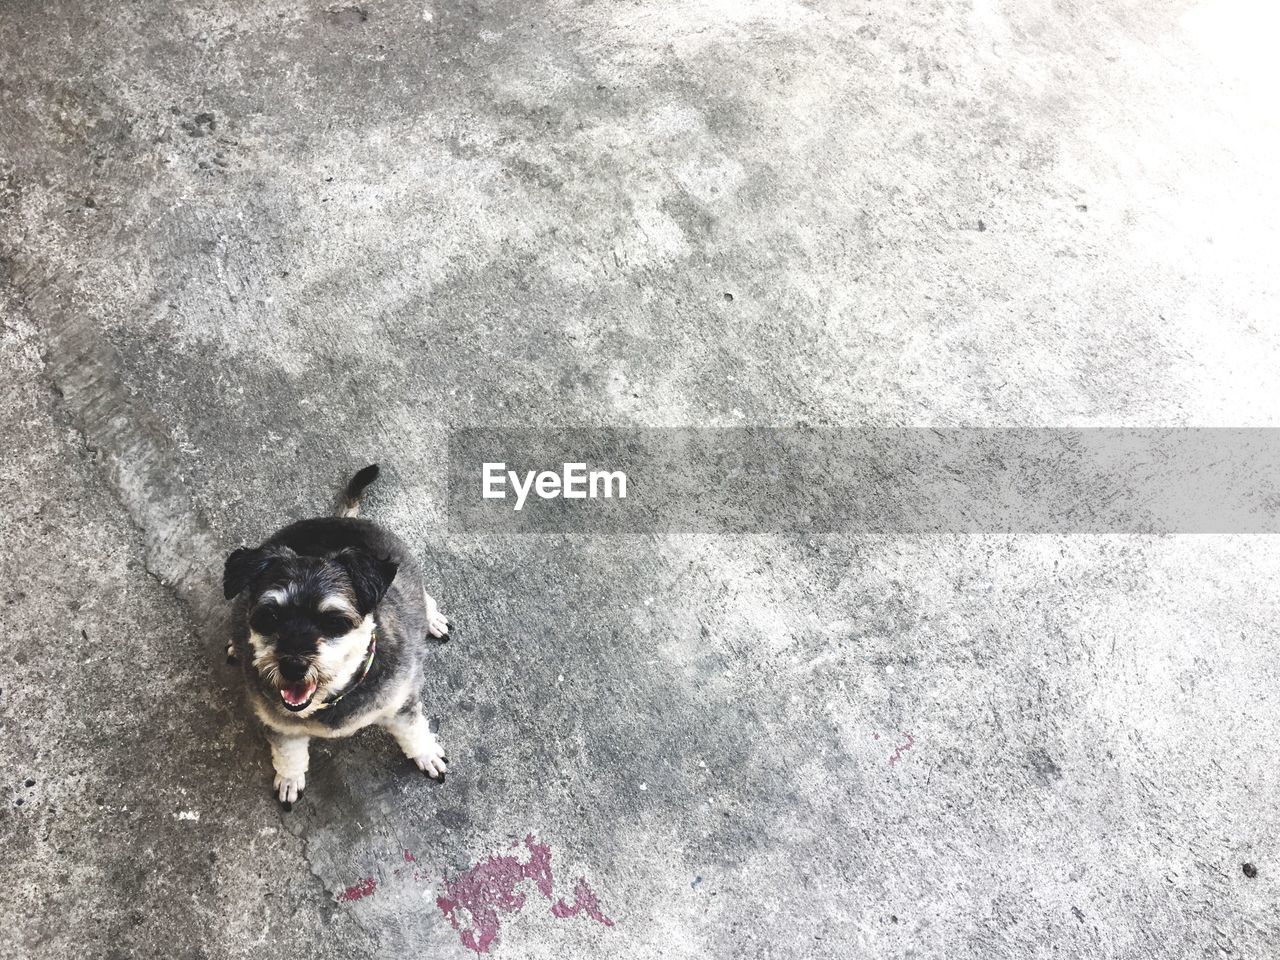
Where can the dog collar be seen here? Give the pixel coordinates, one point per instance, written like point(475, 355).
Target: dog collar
point(368, 663)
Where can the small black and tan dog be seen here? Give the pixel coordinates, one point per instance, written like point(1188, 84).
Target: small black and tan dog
point(332, 628)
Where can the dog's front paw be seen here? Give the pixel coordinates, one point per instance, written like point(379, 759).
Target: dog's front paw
point(432, 760)
point(437, 623)
point(289, 789)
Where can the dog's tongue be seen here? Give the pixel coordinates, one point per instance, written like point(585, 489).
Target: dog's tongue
point(296, 694)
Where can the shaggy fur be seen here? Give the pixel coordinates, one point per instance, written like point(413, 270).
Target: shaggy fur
point(314, 602)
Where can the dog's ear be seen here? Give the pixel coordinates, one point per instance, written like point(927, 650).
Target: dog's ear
point(370, 576)
point(246, 564)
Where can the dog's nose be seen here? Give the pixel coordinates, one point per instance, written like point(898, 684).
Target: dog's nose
point(293, 668)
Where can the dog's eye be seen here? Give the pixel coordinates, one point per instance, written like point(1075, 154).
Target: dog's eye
point(333, 624)
point(265, 619)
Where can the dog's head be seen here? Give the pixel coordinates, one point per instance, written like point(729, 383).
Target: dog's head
point(310, 618)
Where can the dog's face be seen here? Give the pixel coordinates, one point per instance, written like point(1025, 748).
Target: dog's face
point(310, 618)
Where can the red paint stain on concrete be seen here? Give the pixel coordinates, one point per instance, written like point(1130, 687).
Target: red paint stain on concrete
point(488, 889)
point(584, 901)
point(408, 871)
point(358, 891)
point(902, 748)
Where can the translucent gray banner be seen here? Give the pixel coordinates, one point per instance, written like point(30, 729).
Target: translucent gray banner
point(873, 481)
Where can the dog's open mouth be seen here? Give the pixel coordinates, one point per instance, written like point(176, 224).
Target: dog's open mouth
point(297, 696)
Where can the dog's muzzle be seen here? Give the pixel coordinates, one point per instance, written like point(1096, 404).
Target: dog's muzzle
point(297, 688)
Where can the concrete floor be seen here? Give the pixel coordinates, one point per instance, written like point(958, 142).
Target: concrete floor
point(246, 247)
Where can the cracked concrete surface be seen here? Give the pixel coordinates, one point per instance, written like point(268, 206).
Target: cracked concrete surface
point(248, 247)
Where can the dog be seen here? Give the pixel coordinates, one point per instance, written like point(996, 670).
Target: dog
point(331, 628)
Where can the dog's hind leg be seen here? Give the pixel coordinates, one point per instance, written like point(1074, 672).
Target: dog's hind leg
point(290, 757)
point(419, 744)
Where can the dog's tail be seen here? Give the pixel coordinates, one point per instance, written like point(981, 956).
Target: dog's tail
point(349, 505)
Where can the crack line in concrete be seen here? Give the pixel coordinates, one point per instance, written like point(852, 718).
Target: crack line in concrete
point(181, 552)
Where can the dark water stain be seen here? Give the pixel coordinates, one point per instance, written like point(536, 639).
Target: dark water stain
point(1045, 767)
point(351, 16)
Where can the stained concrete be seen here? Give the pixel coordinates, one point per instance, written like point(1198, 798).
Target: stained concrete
point(248, 247)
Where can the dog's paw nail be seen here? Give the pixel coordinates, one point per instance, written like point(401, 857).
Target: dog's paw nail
point(438, 626)
point(232, 659)
point(287, 806)
point(289, 789)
